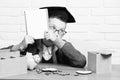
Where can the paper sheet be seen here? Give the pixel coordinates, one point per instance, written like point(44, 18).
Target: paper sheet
point(36, 21)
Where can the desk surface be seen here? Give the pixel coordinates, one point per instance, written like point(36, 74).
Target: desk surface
point(115, 75)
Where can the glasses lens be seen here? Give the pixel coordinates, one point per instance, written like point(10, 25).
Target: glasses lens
point(62, 32)
point(59, 31)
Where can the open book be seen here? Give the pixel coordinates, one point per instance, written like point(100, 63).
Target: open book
point(36, 21)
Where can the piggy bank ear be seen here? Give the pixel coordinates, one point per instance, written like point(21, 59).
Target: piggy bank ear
point(31, 64)
point(37, 58)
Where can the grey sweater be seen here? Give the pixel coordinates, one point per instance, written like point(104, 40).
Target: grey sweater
point(66, 55)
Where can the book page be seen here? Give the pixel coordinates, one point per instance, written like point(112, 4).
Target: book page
point(36, 21)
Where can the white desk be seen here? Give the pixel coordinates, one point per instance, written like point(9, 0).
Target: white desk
point(115, 75)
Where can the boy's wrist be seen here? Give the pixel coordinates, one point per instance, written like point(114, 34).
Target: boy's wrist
point(59, 42)
point(22, 48)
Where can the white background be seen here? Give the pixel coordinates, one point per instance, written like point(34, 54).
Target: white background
point(97, 23)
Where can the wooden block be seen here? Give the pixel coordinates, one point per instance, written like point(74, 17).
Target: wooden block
point(13, 66)
point(99, 62)
point(6, 53)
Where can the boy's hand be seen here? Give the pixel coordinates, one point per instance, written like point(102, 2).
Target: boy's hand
point(27, 40)
point(23, 44)
point(51, 35)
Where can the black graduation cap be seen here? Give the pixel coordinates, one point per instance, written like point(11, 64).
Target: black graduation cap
point(58, 10)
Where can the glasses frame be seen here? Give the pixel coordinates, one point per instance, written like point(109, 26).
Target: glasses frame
point(60, 31)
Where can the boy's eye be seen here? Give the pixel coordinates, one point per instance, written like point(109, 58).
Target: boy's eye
point(52, 27)
point(62, 30)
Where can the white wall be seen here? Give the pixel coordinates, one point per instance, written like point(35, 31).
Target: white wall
point(97, 23)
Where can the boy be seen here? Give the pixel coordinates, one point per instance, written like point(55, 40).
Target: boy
point(52, 48)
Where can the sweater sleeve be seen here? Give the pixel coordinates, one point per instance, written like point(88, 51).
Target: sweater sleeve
point(33, 48)
point(75, 57)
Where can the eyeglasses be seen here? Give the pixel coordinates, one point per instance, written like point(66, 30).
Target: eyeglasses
point(60, 31)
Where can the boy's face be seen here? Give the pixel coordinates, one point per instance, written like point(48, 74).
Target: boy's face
point(57, 26)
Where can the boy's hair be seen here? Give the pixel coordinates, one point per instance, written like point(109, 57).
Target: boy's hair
point(62, 15)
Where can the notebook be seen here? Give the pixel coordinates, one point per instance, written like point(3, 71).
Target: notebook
point(36, 21)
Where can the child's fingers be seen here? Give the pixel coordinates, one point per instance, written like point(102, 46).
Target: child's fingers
point(47, 35)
